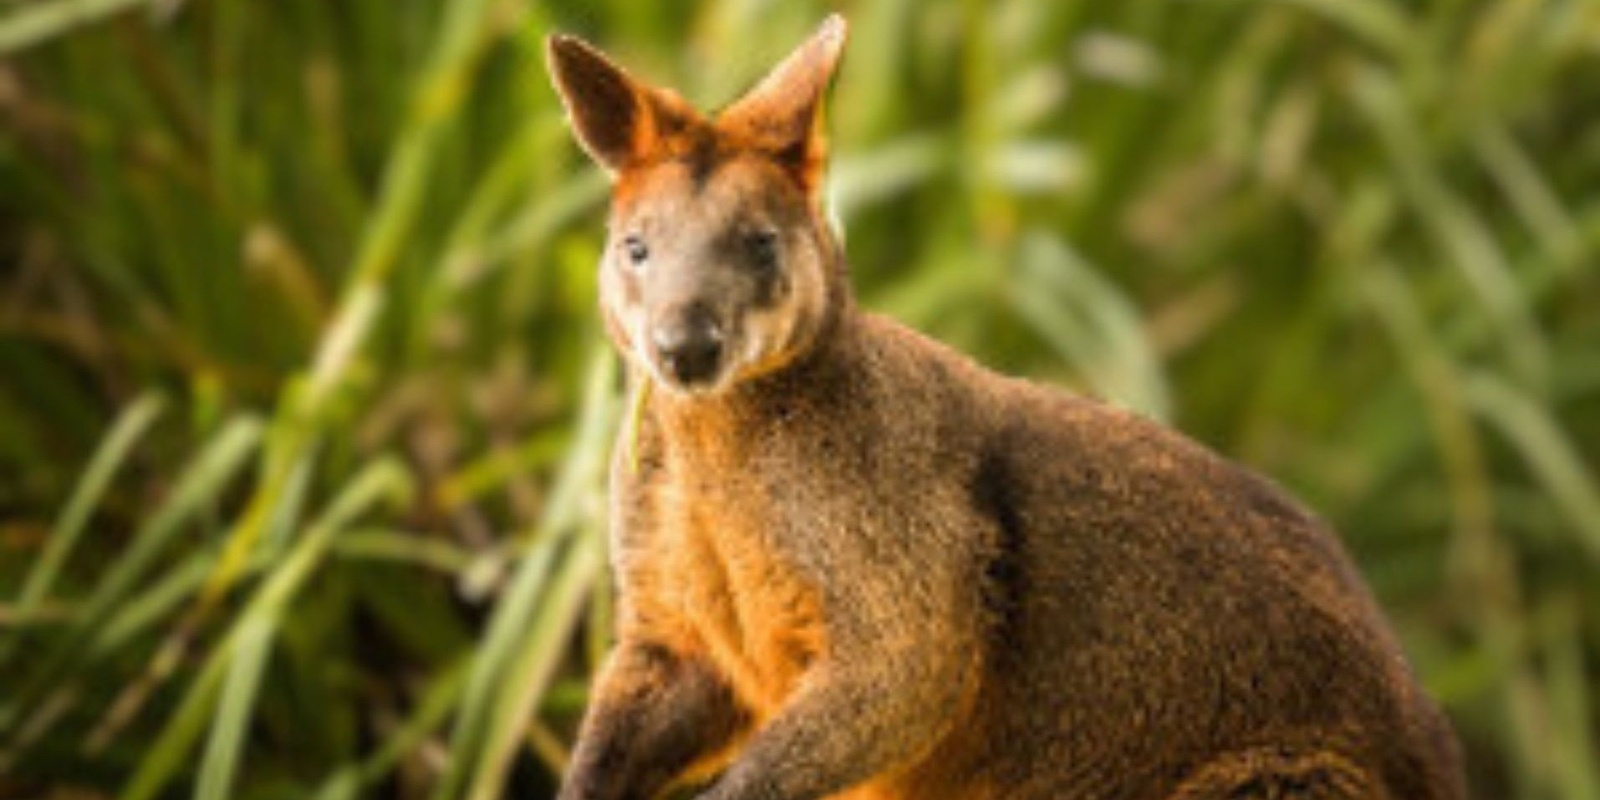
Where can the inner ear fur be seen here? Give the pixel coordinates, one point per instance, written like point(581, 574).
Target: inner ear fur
point(618, 120)
point(782, 115)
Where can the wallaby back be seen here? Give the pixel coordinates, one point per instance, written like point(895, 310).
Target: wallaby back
point(852, 563)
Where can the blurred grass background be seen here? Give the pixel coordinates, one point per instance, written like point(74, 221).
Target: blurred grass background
point(305, 406)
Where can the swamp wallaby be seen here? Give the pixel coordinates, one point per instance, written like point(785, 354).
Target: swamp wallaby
point(852, 563)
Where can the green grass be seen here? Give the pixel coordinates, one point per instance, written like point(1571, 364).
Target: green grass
point(306, 403)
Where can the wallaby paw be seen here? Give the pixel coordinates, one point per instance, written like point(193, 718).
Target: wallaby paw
point(1275, 773)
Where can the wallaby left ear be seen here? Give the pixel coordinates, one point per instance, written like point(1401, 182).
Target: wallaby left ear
point(782, 115)
point(620, 121)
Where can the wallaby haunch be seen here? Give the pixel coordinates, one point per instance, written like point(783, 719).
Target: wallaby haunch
point(852, 563)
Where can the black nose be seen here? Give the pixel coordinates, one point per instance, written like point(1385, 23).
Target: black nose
point(689, 346)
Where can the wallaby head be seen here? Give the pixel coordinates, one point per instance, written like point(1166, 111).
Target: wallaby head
point(719, 265)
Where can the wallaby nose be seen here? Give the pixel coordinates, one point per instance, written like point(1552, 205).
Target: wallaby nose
point(689, 345)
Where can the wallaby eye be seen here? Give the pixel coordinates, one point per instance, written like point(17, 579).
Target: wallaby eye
point(762, 246)
point(638, 252)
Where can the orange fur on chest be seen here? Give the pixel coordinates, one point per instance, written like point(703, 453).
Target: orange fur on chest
point(722, 589)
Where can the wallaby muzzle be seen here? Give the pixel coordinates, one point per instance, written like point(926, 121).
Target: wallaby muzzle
point(687, 343)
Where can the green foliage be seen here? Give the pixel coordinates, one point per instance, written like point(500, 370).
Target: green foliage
point(306, 403)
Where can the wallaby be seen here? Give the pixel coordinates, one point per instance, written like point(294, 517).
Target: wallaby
point(852, 563)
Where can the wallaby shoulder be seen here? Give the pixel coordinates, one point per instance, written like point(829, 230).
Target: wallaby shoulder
point(1105, 547)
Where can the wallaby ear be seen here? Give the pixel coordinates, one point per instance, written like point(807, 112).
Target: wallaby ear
point(615, 118)
point(782, 115)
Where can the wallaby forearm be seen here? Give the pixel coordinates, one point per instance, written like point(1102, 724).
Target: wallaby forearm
point(843, 728)
point(654, 714)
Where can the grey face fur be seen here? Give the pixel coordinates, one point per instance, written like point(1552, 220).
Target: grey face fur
point(714, 272)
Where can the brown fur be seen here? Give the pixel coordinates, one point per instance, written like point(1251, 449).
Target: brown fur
point(861, 566)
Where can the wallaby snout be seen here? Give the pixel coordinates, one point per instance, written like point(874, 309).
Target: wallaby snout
point(688, 344)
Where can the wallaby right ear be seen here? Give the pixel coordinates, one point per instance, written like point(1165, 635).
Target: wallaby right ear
point(616, 118)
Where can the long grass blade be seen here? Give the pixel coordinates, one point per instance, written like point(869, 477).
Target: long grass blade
point(533, 665)
point(132, 424)
point(380, 481)
point(1100, 332)
point(38, 22)
point(518, 612)
point(218, 765)
point(1545, 449)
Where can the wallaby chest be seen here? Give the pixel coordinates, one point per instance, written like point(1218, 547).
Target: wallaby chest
point(712, 555)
